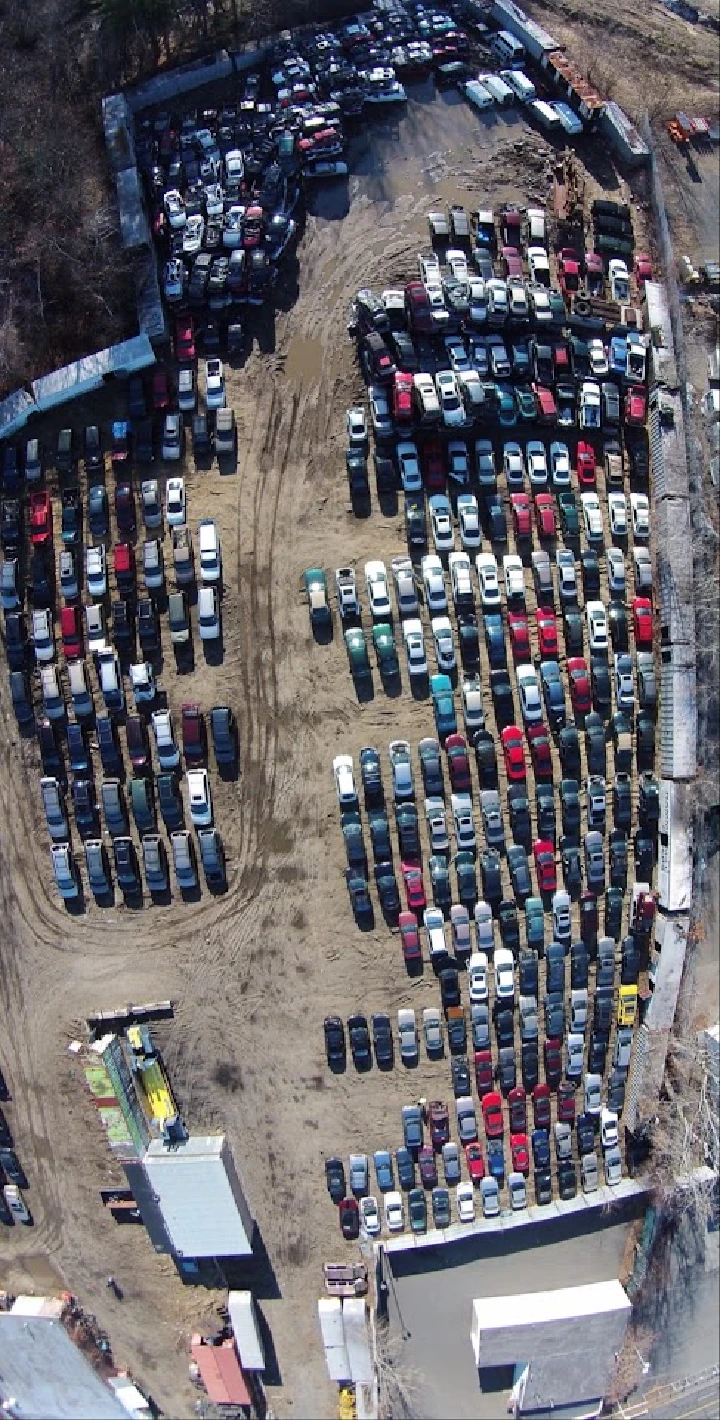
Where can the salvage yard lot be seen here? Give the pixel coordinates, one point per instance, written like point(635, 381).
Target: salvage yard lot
point(253, 974)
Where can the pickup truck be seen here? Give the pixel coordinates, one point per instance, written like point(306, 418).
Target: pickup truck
point(456, 1029)
point(347, 593)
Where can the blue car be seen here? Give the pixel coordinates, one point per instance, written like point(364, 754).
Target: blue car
point(506, 406)
point(540, 1142)
point(617, 355)
point(496, 1159)
point(443, 705)
point(384, 1170)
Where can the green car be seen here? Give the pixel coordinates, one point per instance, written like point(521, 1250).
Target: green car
point(443, 705)
point(535, 924)
point(525, 400)
point(384, 642)
point(567, 507)
point(357, 652)
point(417, 1210)
point(317, 595)
point(506, 412)
point(557, 306)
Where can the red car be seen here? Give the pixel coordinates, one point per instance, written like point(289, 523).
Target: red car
point(71, 632)
point(433, 465)
point(594, 273)
point(635, 405)
point(512, 262)
point(519, 635)
point(427, 1167)
point(493, 1115)
point(124, 564)
point(561, 357)
point(552, 1055)
point(349, 1215)
point(541, 1106)
point(569, 271)
point(545, 514)
point(539, 743)
point(439, 1123)
point(520, 1153)
point(544, 855)
point(414, 887)
point(409, 936)
point(40, 518)
point(475, 1162)
point(585, 465)
point(419, 310)
point(579, 685)
point(483, 1072)
point(184, 340)
point(458, 763)
point(194, 735)
point(643, 622)
point(566, 1102)
point(517, 1103)
point(547, 632)
point(402, 397)
point(160, 390)
point(545, 404)
point(254, 218)
point(514, 752)
point(643, 269)
point(520, 509)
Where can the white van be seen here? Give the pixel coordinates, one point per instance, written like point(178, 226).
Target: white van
point(569, 119)
point(519, 82)
point(508, 49)
point(497, 88)
point(426, 400)
point(545, 115)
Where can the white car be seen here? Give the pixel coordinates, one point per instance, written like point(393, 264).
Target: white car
point(175, 502)
point(465, 1199)
point(640, 513)
point(405, 590)
point(434, 582)
point(560, 465)
point(477, 973)
point(437, 829)
point(469, 521)
point(608, 1129)
point(407, 1035)
point(619, 281)
point(376, 584)
point(457, 261)
point(95, 628)
point(214, 384)
point(504, 975)
point(409, 465)
point(380, 415)
point(477, 95)
point(617, 515)
point(438, 310)
point(369, 1215)
point(448, 394)
point(415, 647)
point(345, 781)
point(110, 680)
point(624, 683)
point(567, 575)
point(429, 268)
point(53, 699)
point(574, 1056)
point(478, 302)
point(165, 743)
point(514, 578)
point(142, 682)
point(597, 626)
point(175, 209)
point(536, 465)
point(96, 570)
point(460, 569)
point(210, 551)
point(472, 704)
point(592, 1087)
point(518, 299)
point(517, 1191)
point(441, 522)
point(208, 613)
point(539, 264)
point(80, 689)
point(514, 466)
point(462, 811)
point(561, 916)
point(434, 924)
point(500, 366)
point(234, 167)
point(232, 227)
point(592, 517)
point(356, 427)
point(589, 417)
point(578, 1010)
point(432, 1030)
point(174, 281)
point(597, 355)
point(199, 799)
point(613, 1167)
point(542, 309)
point(394, 1212)
point(615, 571)
point(484, 927)
point(529, 691)
point(444, 646)
point(186, 393)
point(43, 636)
point(487, 570)
point(456, 352)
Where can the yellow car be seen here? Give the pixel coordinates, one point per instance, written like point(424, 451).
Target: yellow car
point(627, 1005)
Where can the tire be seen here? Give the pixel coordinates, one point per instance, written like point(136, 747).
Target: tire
point(582, 307)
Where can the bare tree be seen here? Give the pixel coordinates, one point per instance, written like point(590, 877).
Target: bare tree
point(398, 1383)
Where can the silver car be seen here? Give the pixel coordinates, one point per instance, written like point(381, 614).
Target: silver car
point(113, 807)
point(98, 869)
point(64, 870)
point(492, 819)
point(184, 861)
point(54, 807)
point(595, 861)
point(155, 863)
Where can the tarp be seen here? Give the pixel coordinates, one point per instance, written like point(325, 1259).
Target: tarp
point(220, 1373)
point(92, 371)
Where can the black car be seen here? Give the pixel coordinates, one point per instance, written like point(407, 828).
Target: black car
point(495, 641)
point(618, 627)
point(371, 776)
point(11, 526)
point(520, 825)
point(408, 830)
point(490, 869)
point(496, 519)
point(13, 1169)
point(486, 759)
point(351, 825)
point(375, 358)
point(579, 966)
point(543, 1187)
point(545, 809)
point(573, 631)
point(92, 449)
point(464, 865)
point(505, 1072)
point(568, 513)
point(379, 835)
point(201, 436)
point(405, 1165)
point(449, 987)
point(41, 578)
point(622, 802)
point(644, 854)
point(645, 741)
point(415, 522)
point(554, 969)
point(467, 624)
point(590, 565)
point(597, 1053)
point(50, 751)
point(386, 482)
point(505, 1027)
point(127, 870)
point(613, 912)
point(571, 861)
point(540, 1143)
point(359, 1037)
point(148, 625)
point(170, 800)
point(406, 356)
point(616, 1091)
point(335, 1179)
point(529, 1064)
point(585, 1134)
point(78, 749)
point(145, 441)
point(71, 516)
point(85, 808)
point(108, 744)
point(123, 626)
point(570, 808)
point(224, 734)
point(387, 888)
point(569, 751)
point(440, 880)
point(382, 1039)
point(618, 848)
point(528, 974)
point(502, 697)
point(567, 1179)
point(509, 925)
point(519, 869)
point(595, 744)
point(460, 1072)
point(356, 469)
point(16, 640)
point(457, 1034)
point(136, 402)
point(431, 768)
point(601, 689)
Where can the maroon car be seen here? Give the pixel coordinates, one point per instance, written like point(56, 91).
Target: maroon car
point(541, 1106)
point(427, 1167)
point(552, 1052)
point(458, 763)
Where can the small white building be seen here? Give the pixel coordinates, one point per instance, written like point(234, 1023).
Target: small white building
point(563, 1344)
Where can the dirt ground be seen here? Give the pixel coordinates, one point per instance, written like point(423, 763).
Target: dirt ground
point(253, 973)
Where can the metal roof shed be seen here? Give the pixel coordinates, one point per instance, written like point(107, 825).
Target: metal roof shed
point(220, 1372)
point(92, 371)
point(200, 1197)
point(15, 411)
point(42, 1373)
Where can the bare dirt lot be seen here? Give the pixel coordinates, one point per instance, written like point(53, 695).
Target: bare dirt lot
point(253, 973)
